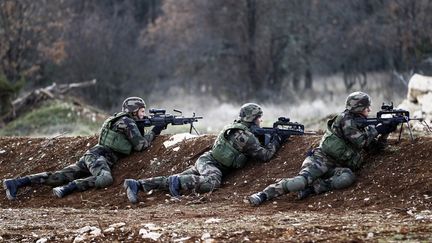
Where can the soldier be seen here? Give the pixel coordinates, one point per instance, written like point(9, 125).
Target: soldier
point(233, 147)
point(119, 136)
point(331, 165)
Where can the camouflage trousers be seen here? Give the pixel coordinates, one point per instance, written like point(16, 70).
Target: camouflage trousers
point(89, 171)
point(204, 176)
point(318, 171)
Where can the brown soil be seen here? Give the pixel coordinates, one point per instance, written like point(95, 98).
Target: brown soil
point(391, 199)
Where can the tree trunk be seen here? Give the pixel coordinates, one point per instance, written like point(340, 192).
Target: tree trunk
point(251, 56)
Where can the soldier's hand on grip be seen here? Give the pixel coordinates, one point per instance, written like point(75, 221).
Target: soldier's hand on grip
point(158, 129)
point(276, 139)
point(385, 128)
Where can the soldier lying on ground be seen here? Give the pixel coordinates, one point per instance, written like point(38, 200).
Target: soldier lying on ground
point(331, 165)
point(234, 146)
point(119, 136)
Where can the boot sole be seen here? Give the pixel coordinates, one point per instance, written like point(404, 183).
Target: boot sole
point(8, 195)
point(57, 193)
point(130, 195)
point(253, 202)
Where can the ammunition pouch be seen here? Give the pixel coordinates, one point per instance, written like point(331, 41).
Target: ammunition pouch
point(224, 152)
point(339, 150)
point(112, 139)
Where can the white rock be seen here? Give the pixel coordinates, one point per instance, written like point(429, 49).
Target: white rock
point(145, 234)
point(370, 235)
point(212, 221)
point(79, 238)
point(109, 230)
point(205, 236)
point(426, 101)
point(178, 138)
point(96, 232)
point(84, 230)
point(418, 85)
point(42, 240)
point(117, 225)
point(90, 229)
point(151, 226)
point(182, 239)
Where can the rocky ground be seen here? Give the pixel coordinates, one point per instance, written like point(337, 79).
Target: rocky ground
point(391, 200)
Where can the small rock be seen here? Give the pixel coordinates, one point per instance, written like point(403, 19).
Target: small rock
point(212, 221)
point(205, 236)
point(145, 234)
point(117, 225)
point(182, 239)
point(42, 240)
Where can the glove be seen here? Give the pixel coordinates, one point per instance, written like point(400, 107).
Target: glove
point(385, 128)
point(284, 138)
point(158, 129)
point(394, 125)
point(276, 139)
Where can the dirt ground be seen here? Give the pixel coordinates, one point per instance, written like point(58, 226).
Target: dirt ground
point(391, 200)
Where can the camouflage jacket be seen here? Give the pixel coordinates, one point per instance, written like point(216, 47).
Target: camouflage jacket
point(358, 136)
point(345, 139)
point(127, 126)
point(248, 144)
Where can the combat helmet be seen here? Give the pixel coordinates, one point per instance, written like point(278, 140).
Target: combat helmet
point(249, 112)
point(357, 101)
point(133, 104)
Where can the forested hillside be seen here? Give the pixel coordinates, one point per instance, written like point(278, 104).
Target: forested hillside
point(235, 51)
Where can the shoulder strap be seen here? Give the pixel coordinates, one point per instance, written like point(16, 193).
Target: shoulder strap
point(115, 118)
point(234, 126)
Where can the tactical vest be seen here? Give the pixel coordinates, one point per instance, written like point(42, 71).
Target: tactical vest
point(112, 139)
point(338, 149)
point(223, 150)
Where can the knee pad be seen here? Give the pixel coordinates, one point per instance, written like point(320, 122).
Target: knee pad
point(104, 179)
point(343, 178)
point(294, 184)
point(208, 186)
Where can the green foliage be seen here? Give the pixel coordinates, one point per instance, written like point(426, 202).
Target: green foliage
point(54, 117)
point(7, 93)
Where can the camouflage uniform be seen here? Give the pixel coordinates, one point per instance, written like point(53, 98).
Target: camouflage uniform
point(118, 137)
point(207, 173)
point(94, 168)
point(325, 169)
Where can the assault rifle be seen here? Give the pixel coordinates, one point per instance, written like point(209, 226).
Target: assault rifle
point(283, 127)
point(389, 115)
point(159, 117)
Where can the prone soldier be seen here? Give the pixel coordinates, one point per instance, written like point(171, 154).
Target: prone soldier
point(233, 148)
point(331, 165)
point(118, 137)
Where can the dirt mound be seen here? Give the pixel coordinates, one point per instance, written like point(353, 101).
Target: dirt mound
point(397, 178)
point(391, 200)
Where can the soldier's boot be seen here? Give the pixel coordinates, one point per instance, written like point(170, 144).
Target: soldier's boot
point(257, 198)
point(174, 185)
point(132, 187)
point(62, 191)
point(308, 191)
point(11, 186)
